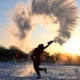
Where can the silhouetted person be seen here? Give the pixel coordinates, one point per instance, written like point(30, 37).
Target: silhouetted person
point(36, 58)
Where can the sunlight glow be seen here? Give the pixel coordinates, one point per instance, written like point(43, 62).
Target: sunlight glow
point(72, 46)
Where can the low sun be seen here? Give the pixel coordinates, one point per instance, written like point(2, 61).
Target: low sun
point(72, 46)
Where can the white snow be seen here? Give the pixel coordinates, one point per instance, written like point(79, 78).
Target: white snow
point(25, 71)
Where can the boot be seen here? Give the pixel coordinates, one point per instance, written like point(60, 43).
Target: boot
point(39, 77)
point(45, 70)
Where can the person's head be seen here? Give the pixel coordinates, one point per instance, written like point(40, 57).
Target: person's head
point(40, 46)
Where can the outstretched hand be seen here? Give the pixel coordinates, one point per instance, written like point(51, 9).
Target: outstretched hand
point(50, 42)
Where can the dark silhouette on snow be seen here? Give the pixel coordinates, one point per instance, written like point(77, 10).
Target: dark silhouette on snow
point(35, 57)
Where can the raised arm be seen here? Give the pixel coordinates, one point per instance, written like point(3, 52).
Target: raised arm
point(50, 42)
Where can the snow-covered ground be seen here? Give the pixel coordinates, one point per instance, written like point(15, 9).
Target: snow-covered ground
point(25, 71)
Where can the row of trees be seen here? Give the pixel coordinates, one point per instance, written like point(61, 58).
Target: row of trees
point(12, 54)
point(60, 58)
point(15, 54)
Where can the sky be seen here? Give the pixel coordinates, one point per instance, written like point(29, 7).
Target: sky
point(36, 36)
point(5, 6)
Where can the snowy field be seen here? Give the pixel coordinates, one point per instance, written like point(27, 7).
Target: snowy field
point(25, 71)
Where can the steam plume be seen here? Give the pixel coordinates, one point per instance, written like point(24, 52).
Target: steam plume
point(65, 11)
point(22, 21)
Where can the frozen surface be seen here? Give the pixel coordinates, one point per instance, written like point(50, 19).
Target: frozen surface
point(25, 71)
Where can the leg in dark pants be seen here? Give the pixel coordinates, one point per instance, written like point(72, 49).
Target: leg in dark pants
point(37, 69)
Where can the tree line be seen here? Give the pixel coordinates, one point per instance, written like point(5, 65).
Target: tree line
point(12, 54)
point(15, 54)
point(60, 58)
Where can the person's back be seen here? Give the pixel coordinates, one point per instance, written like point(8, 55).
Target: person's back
point(36, 54)
point(36, 58)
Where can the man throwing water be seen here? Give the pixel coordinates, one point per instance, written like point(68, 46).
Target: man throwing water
point(35, 57)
